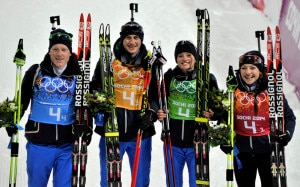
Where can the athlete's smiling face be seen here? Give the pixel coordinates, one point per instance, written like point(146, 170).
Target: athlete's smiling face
point(132, 44)
point(59, 55)
point(249, 73)
point(186, 61)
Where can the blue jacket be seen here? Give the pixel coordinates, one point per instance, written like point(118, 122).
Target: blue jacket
point(42, 133)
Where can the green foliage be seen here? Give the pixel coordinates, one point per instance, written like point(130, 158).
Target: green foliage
point(218, 102)
point(100, 102)
point(218, 134)
point(7, 109)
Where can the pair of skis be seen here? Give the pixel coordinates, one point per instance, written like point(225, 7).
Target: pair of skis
point(276, 109)
point(19, 60)
point(113, 157)
point(79, 154)
point(201, 144)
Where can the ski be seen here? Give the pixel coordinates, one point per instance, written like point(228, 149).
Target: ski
point(113, 157)
point(201, 144)
point(79, 155)
point(279, 107)
point(230, 157)
point(19, 60)
point(275, 91)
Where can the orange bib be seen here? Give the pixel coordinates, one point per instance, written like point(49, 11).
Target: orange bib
point(128, 85)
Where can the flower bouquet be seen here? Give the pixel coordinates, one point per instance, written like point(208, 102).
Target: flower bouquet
point(7, 109)
point(218, 134)
point(100, 102)
point(219, 131)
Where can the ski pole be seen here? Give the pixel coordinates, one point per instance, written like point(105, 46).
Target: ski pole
point(19, 60)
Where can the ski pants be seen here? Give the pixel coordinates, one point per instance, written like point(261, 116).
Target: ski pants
point(143, 174)
point(251, 163)
point(41, 159)
point(180, 157)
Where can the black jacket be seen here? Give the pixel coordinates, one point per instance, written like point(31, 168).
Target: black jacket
point(45, 133)
point(126, 119)
point(182, 131)
point(261, 144)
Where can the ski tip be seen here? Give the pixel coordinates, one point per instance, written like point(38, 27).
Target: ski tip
point(89, 18)
point(277, 30)
point(268, 30)
point(20, 44)
point(230, 69)
point(81, 17)
point(107, 29)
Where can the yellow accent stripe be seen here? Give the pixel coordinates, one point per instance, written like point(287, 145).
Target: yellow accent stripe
point(202, 182)
point(109, 134)
point(201, 119)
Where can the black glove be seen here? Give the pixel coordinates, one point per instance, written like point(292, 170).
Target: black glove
point(11, 130)
point(226, 148)
point(147, 119)
point(83, 131)
point(87, 138)
point(284, 138)
point(231, 81)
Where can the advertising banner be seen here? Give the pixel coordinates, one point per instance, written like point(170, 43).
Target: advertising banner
point(289, 24)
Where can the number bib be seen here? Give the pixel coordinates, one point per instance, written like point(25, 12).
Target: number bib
point(246, 122)
point(53, 100)
point(128, 85)
point(182, 99)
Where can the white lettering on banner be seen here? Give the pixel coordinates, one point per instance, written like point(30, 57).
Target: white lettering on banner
point(122, 86)
point(258, 118)
point(254, 118)
point(292, 22)
point(243, 117)
point(179, 103)
point(191, 105)
point(186, 114)
point(57, 114)
point(130, 98)
point(136, 87)
point(250, 127)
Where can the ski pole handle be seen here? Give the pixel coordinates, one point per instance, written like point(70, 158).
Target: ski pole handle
point(259, 35)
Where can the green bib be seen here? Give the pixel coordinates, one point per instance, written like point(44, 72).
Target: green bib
point(181, 101)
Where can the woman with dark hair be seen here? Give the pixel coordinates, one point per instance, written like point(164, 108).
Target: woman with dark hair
point(251, 122)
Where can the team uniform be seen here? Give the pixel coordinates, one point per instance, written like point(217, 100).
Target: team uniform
point(180, 90)
point(129, 79)
point(181, 97)
point(49, 126)
point(252, 126)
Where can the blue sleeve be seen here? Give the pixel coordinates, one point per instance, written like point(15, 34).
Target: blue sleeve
point(99, 119)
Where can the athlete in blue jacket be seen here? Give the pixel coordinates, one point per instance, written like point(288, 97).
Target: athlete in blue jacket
point(50, 87)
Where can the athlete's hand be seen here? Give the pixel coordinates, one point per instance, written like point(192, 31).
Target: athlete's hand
point(208, 114)
point(231, 81)
point(147, 119)
point(284, 138)
point(161, 115)
point(226, 148)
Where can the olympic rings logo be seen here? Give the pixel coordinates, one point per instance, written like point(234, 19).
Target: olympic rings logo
point(124, 73)
point(245, 99)
point(53, 84)
point(185, 86)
